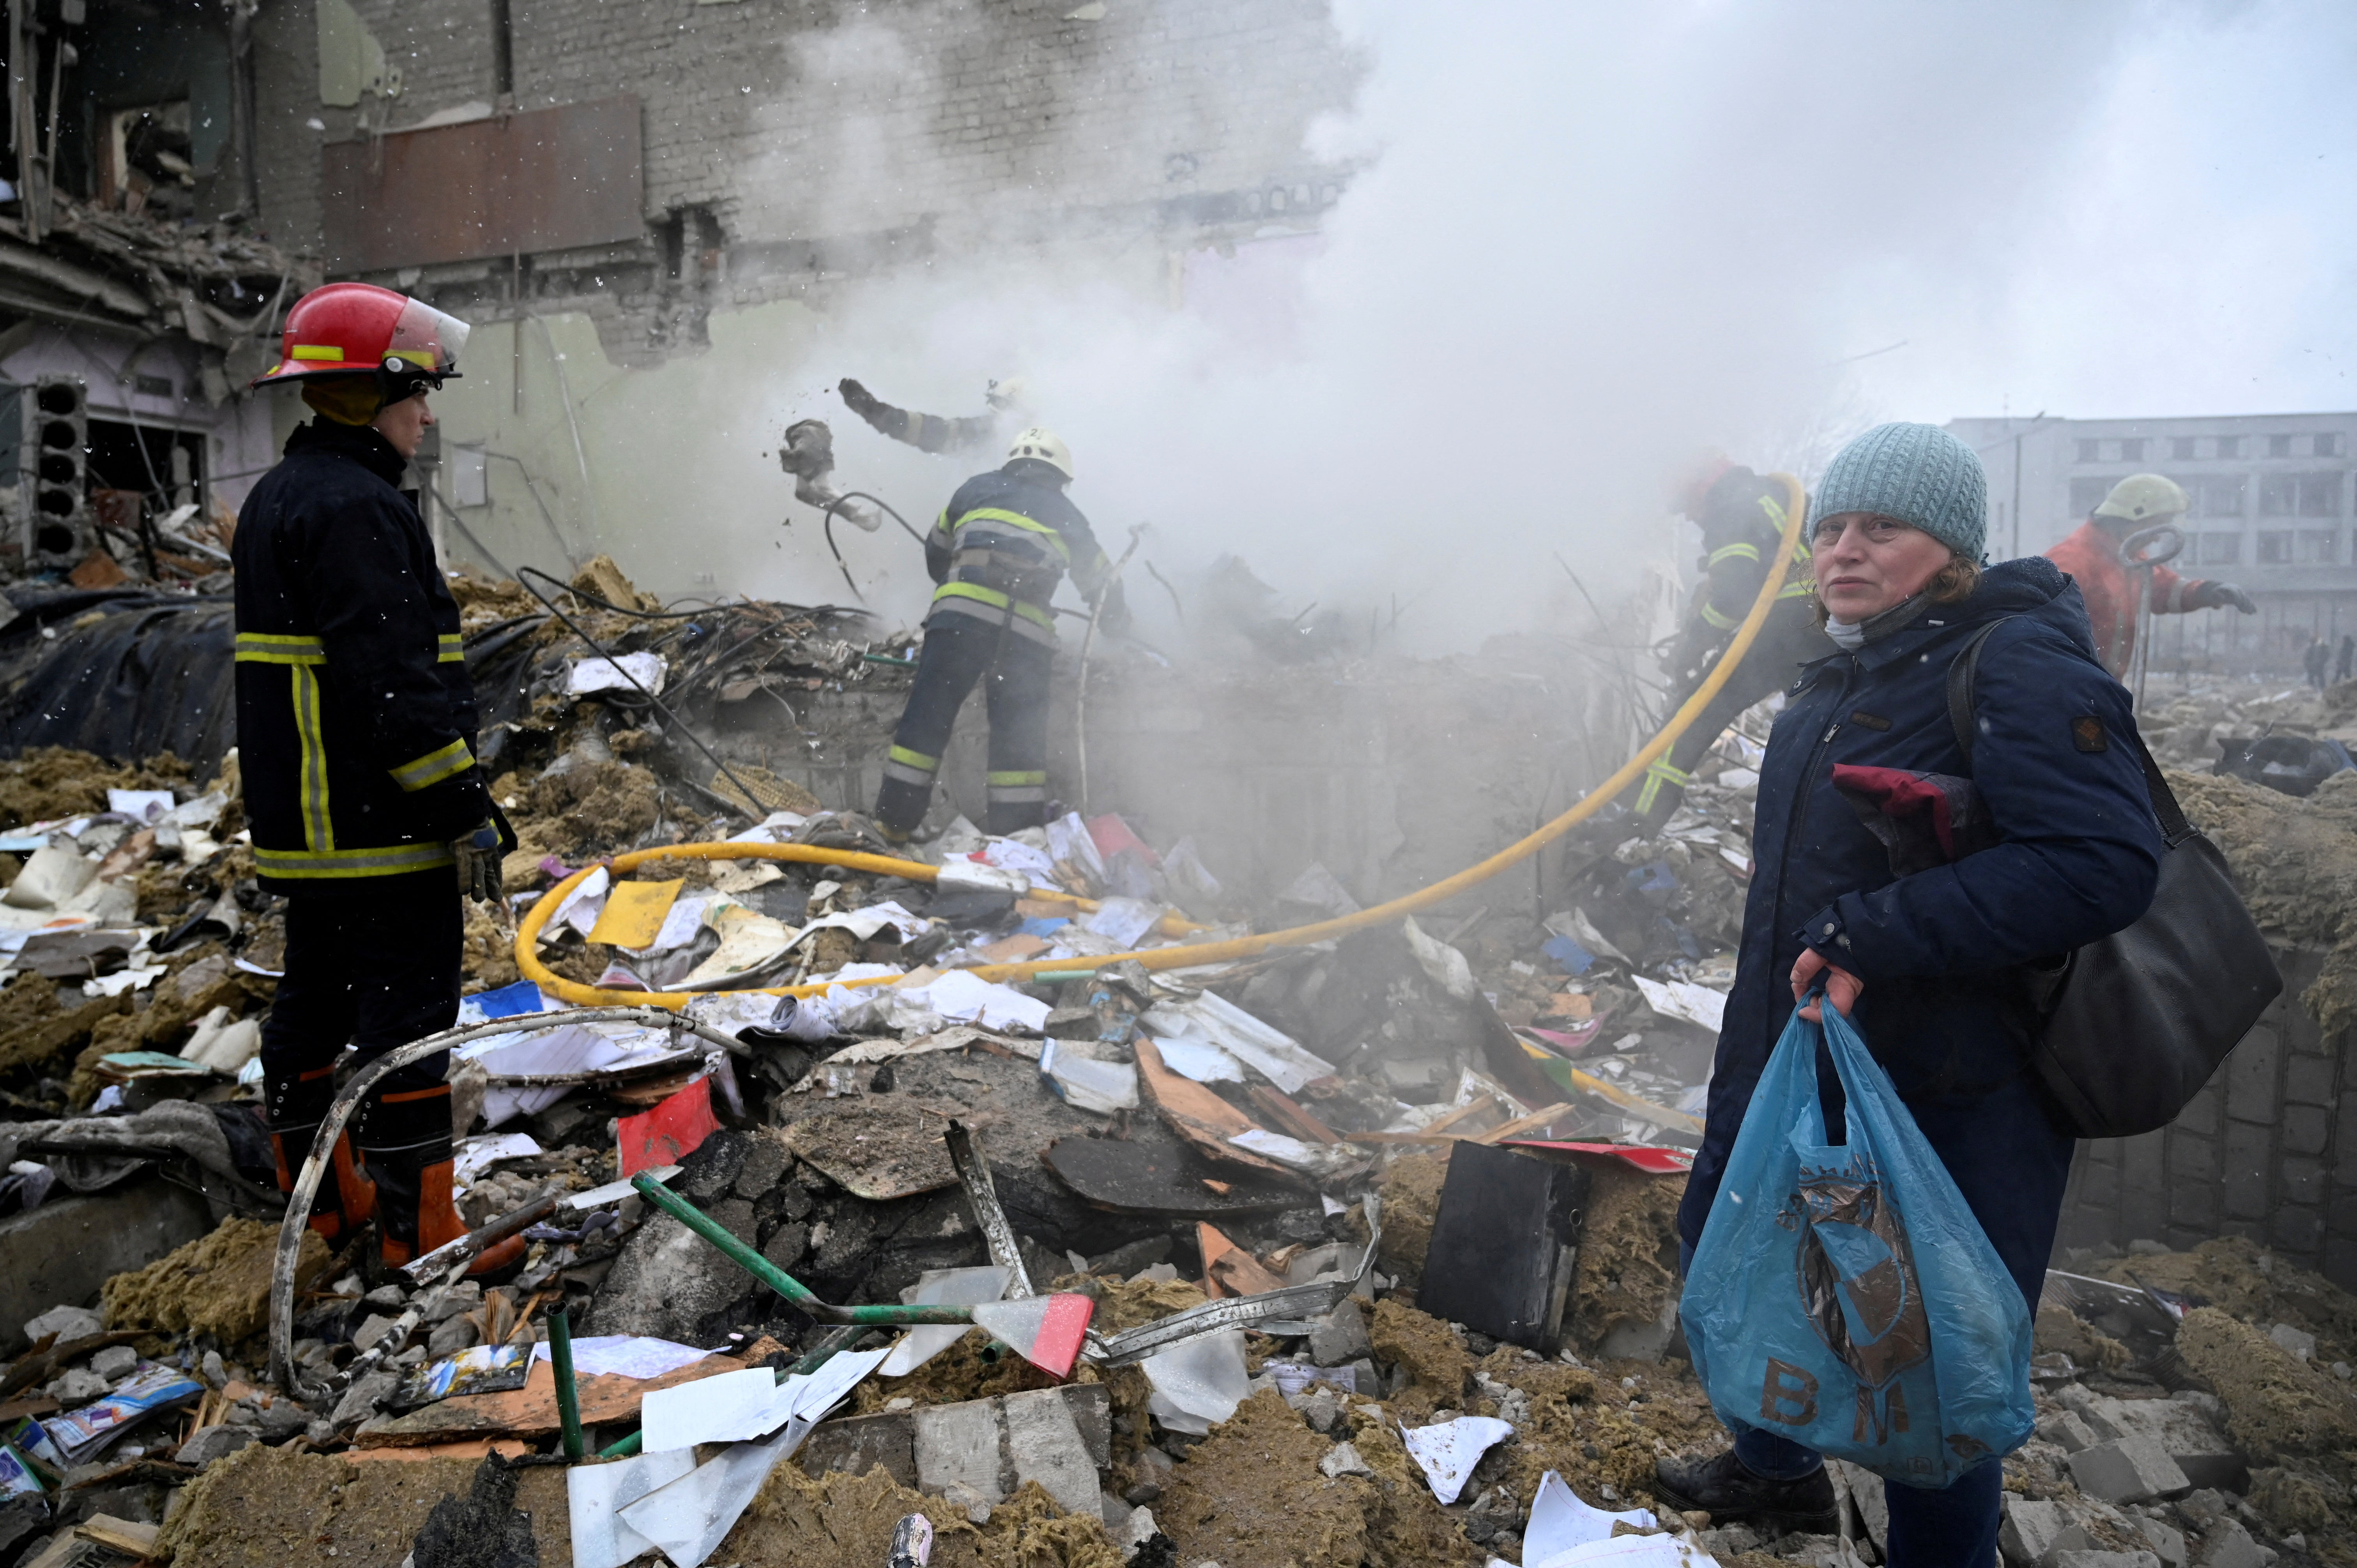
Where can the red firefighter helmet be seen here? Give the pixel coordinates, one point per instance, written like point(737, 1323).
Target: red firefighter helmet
point(356, 327)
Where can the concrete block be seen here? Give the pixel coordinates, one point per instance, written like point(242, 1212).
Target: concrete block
point(2185, 1429)
point(2297, 1342)
point(2226, 1544)
point(2087, 1559)
point(359, 1401)
point(208, 1443)
point(972, 1445)
point(62, 1252)
point(117, 1362)
point(2167, 1541)
point(2030, 1531)
point(1340, 1336)
point(2069, 1430)
point(2126, 1470)
point(66, 1323)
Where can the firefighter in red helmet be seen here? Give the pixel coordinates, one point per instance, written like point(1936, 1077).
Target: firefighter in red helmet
point(356, 736)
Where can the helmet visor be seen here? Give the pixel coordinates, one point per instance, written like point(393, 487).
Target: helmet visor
point(426, 339)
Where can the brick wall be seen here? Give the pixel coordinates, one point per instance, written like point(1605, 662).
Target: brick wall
point(791, 141)
point(2268, 1151)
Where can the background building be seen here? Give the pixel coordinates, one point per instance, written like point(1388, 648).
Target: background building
point(2273, 500)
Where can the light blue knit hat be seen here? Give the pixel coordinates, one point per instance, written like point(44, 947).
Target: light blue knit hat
point(1918, 474)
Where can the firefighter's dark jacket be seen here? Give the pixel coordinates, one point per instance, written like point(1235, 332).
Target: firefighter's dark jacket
point(355, 718)
point(1003, 543)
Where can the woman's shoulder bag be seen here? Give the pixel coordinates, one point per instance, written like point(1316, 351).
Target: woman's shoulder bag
point(2136, 1023)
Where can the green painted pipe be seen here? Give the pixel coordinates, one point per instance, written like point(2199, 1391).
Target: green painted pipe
point(568, 1393)
point(776, 1278)
point(623, 1449)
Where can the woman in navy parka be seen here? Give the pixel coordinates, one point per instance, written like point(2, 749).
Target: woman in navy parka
point(1932, 964)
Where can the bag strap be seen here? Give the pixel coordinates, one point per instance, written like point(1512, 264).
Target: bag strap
point(2174, 827)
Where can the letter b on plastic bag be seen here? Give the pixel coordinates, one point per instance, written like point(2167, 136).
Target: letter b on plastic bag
point(1843, 1297)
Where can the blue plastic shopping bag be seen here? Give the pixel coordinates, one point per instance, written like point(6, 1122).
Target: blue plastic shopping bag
point(1843, 1295)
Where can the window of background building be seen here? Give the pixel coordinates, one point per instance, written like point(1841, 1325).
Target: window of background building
point(2229, 446)
point(2086, 495)
point(2131, 450)
point(2299, 495)
point(2180, 447)
point(2222, 549)
point(2275, 547)
point(2091, 451)
point(2220, 495)
point(2279, 446)
point(2319, 546)
point(2328, 445)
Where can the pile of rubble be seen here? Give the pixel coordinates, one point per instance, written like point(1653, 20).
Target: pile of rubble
point(1371, 1239)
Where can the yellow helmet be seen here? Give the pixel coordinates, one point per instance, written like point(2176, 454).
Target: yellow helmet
point(1043, 446)
point(2142, 498)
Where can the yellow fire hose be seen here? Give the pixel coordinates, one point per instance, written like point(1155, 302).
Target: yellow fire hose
point(1184, 955)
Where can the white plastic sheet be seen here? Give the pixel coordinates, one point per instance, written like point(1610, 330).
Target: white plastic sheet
point(596, 1494)
point(1561, 1521)
point(1123, 921)
point(1198, 1384)
point(1087, 1083)
point(940, 1287)
point(688, 1519)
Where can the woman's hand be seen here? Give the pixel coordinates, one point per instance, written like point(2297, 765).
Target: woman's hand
point(1841, 987)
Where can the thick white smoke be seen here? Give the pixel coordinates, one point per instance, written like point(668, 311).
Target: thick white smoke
point(1584, 242)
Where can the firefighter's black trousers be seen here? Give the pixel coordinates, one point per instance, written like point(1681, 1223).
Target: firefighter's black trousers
point(375, 969)
point(1014, 671)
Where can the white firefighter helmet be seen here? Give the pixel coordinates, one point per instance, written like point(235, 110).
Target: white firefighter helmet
point(1043, 445)
point(1008, 392)
point(2144, 497)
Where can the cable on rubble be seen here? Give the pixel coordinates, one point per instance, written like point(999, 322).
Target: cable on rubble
point(1184, 955)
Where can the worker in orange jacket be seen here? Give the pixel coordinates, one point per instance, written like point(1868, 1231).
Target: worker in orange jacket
point(2092, 556)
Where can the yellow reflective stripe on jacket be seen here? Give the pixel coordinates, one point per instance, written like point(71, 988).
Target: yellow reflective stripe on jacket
point(318, 827)
point(996, 600)
point(1037, 776)
point(1797, 590)
point(434, 766)
point(1734, 552)
point(915, 758)
point(451, 648)
point(1017, 520)
point(296, 864)
point(1723, 622)
point(263, 648)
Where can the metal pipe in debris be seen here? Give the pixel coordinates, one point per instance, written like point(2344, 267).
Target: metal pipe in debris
point(568, 1393)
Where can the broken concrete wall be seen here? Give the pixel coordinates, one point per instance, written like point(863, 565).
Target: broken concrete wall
point(2268, 1151)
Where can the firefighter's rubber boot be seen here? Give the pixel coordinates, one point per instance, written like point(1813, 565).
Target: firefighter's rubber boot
point(294, 1107)
point(407, 1147)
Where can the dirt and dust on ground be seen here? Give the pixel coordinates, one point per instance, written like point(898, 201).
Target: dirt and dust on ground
point(53, 782)
point(840, 1521)
point(1627, 1271)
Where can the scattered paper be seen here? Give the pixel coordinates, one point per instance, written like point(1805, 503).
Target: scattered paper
point(1123, 921)
point(750, 942)
point(687, 1519)
point(626, 1356)
point(582, 907)
point(635, 913)
point(1448, 1451)
point(140, 805)
point(1192, 1056)
point(734, 1407)
point(615, 1191)
point(478, 1155)
point(1684, 999)
point(959, 873)
point(596, 1494)
point(591, 675)
point(1013, 855)
point(967, 998)
point(1273, 1054)
point(1321, 1160)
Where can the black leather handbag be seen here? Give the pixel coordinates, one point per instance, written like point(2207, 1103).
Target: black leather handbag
point(2135, 1024)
